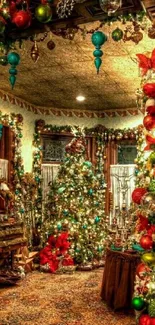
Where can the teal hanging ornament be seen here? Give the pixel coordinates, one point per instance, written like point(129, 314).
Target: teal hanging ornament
point(13, 59)
point(98, 39)
point(1, 130)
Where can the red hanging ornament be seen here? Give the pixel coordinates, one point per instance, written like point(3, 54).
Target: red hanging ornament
point(144, 320)
point(149, 122)
point(149, 89)
point(22, 19)
point(146, 242)
point(141, 270)
point(137, 194)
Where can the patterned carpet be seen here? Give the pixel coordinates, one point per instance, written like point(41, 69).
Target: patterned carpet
point(58, 299)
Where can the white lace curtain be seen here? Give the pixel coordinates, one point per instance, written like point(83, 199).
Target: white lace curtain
point(4, 169)
point(122, 180)
point(49, 172)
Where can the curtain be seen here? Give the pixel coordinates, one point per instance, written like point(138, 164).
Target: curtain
point(49, 172)
point(122, 180)
point(4, 169)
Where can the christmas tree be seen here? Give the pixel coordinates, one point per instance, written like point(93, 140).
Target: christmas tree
point(75, 207)
point(144, 196)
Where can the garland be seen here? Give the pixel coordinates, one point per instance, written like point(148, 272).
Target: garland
point(102, 135)
point(15, 122)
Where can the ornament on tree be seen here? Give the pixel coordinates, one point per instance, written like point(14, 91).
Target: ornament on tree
point(138, 303)
point(149, 89)
point(149, 120)
point(137, 194)
point(22, 19)
point(146, 242)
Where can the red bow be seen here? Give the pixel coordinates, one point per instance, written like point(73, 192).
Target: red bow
point(146, 63)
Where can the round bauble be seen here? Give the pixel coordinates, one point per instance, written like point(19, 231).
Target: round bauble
point(149, 122)
point(151, 110)
point(51, 45)
point(149, 89)
point(152, 321)
point(138, 303)
point(144, 320)
point(137, 194)
point(13, 58)
point(43, 13)
point(141, 270)
point(98, 38)
point(22, 19)
point(117, 34)
point(146, 242)
point(150, 102)
point(149, 258)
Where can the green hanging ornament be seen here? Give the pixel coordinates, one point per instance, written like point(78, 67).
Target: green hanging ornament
point(13, 59)
point(117, 34)
point(98, 39)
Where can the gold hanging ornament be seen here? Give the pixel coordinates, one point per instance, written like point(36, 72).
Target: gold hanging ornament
point(35, 52)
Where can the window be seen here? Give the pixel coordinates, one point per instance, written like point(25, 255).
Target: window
point(126, 154)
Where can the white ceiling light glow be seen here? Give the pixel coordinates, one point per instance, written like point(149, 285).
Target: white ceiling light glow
point(80, 98)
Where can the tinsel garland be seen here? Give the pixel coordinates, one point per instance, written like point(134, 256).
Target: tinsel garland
point(15, 122)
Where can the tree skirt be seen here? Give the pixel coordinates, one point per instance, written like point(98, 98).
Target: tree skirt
point(58, 299)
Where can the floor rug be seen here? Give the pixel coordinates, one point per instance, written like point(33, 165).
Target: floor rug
point(58, 299)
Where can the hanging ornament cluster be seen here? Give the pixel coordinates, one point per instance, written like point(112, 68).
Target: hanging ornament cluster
point(98, 39)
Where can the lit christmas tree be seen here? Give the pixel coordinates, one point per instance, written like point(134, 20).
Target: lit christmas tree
point(144, 196)
point(76, 206)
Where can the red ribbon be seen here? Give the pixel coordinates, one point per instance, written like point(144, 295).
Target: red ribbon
point(146, 63)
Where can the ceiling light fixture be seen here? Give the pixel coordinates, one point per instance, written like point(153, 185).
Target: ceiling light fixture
point(80, 98)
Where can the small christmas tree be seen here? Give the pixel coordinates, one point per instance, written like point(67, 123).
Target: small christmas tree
point(76, 205)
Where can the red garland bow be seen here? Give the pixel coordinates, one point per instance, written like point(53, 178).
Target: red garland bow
point(146, 63)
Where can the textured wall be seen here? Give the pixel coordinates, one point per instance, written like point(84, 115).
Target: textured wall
point(29, 119)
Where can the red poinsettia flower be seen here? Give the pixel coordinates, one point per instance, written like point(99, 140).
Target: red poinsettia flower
point(67, 260)
point(53, 265)
point(52, 241)
point(146, 63)
point(62, 242)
